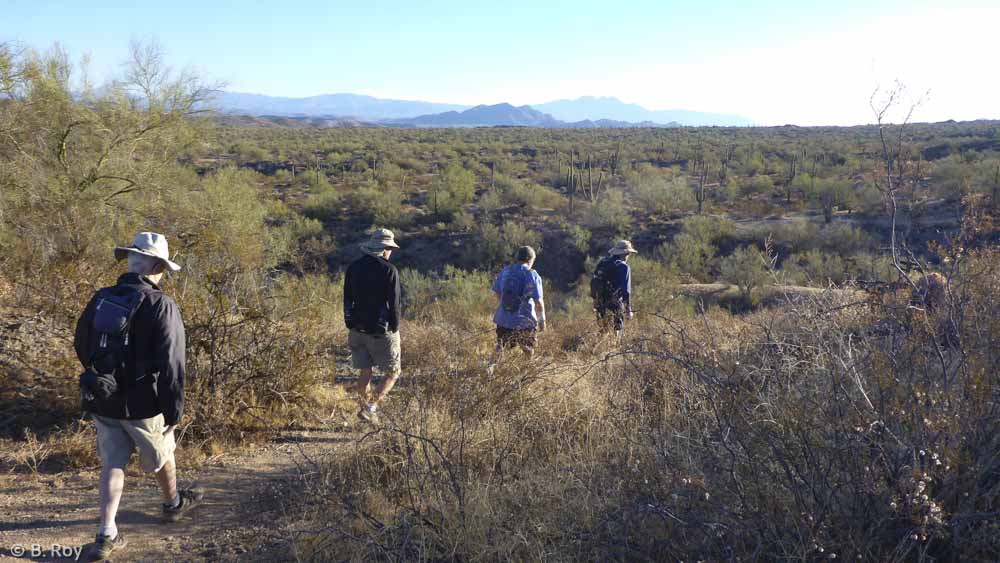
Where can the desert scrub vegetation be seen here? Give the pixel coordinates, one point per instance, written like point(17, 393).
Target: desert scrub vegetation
point(83, 170)
point(828, 427)
point(807, 423)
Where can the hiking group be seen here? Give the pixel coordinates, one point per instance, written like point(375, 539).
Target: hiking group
point(130, 341)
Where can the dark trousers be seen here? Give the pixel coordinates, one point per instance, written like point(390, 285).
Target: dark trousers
point(510, 338)
point(610, 315)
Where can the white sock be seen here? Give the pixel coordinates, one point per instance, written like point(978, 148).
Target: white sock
point(110, 530)
point(372, 407)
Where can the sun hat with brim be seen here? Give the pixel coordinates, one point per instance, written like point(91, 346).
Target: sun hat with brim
point(148, 244)
point(622, 247)
point(379, 241)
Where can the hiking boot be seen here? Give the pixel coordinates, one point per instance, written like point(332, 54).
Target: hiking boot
point(190, 498)
point(104, 545)
point(368, 415)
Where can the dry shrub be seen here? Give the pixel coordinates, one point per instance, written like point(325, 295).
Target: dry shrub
point(823, 428)
point(258, 350)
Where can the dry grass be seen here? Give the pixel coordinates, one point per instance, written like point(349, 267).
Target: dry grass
point(822, 427)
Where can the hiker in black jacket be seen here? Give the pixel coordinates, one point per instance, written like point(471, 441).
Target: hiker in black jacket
point(145, 393)
point(371, 313)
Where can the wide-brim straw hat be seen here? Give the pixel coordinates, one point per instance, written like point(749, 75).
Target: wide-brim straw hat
point(148, 244)
point(621, 248)
point(379, 241)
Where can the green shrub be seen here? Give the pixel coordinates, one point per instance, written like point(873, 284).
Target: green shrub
point(746, 268)
point(456, 297)
point(379, 205)
point(490, 202)
point(843, 239)
point(495, 246)
point(454, 187)
point(758, 184)
point(463, 221)
point(815, 267)
point(609, 212)
point(514, 191)
point(653, 285)
point(578, 238)
point(872, 267)
point(692, 253)
point(325, 205)
point(661, 193)
point(714, 230)
point(795, 235)
point(690, 256)
point(800, 235)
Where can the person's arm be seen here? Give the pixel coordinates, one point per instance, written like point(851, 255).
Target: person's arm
point(169, 360)
point(82, 335)
point(348, 300)
point(496, 288)
point(539, 298)
point(496, 283)
point(627, 297)
point(393, 300)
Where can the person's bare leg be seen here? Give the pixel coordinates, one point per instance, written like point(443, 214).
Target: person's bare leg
point(166, 477)
point(385, 386)
point(495, 357)
point(364, 385)
point(111, 486)
point(529, 352)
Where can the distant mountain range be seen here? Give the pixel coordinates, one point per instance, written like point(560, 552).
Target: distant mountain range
point(339, 105)
point(356, 110)
point(506, 115)
point(589, 107)
point(499, 114)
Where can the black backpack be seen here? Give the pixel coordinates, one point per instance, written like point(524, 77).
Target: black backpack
point(600, 284)
point(108, 341)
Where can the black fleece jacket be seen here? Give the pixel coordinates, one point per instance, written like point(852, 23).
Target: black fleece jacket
point(371, 295)
point(155, 362)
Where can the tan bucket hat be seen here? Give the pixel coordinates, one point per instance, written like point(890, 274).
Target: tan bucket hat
point(380, 240)
point(148, 244)
point(622, 247)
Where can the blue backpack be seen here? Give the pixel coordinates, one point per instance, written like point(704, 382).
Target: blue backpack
point(512, 289)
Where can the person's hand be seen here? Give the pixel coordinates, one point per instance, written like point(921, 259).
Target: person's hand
point(169, 430)
point(541, 325)
point(631, 315)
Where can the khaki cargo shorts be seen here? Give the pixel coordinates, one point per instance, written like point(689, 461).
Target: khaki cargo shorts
point(375, 350)
point(116, 438)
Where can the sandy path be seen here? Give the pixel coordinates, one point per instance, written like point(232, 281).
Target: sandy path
point(240, 519)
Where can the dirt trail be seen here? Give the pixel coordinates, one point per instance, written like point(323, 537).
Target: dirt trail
point(240, 518)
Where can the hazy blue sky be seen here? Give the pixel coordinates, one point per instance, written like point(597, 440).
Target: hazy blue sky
point(776, 61)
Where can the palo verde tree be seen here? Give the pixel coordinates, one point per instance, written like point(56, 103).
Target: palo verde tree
point(828, 194)
point(81, 167)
